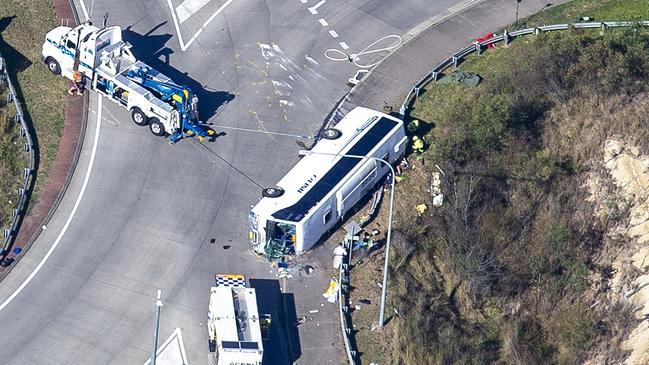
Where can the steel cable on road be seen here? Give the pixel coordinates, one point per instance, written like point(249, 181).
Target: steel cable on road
point(337, 55)
point(196, 144)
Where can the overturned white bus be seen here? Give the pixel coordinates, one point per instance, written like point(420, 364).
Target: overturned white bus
point(320, 189)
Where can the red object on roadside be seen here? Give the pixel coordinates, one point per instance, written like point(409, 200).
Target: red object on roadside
point(484, 38)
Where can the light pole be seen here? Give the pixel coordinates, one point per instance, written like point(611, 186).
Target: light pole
point(156, 326)
point(384, 287)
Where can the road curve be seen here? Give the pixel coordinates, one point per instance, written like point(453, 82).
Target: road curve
point(154, 216)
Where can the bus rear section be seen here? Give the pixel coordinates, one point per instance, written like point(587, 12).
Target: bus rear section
point(321, 189)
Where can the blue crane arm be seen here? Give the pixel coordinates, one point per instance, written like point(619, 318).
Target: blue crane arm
point(179, 96)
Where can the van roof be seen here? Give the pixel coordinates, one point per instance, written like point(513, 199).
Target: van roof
point(316, 175)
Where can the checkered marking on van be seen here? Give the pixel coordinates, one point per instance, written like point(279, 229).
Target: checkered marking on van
point(230, 280)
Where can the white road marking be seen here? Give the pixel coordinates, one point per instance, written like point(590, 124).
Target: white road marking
point(333, 33)
point(314, 8)
point(173, 355)
point(183, 45)
point(70, 217)
point(344, 45)
point(189, 8)
point(304, 1)
point(85, 11)
point(323, 22)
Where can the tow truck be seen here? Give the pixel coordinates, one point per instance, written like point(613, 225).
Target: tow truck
point(235, 329)
point(108, 66)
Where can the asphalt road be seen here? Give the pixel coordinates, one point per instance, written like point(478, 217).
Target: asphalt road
point(140, 215)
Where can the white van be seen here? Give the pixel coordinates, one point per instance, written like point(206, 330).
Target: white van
point(320, 189)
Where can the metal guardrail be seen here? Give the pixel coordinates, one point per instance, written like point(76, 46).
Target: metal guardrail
point(24, 192)
point(346, 325)
point(506, 37)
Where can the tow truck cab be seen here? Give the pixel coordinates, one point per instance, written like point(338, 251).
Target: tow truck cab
point(63, 44)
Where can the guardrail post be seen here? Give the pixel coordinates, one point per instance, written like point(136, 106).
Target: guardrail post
point(478, 48)
point(455, 61)
point(506, 37)
point(26, 173)
point(6, 233)
point(435, 75)
point(26, 147)
point(602, 28)
point(537, 30)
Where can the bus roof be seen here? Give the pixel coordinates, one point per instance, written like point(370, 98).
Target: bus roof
point(315, 176)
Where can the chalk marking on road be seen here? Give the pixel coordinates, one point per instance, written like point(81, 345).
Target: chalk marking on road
point(314, 8)
point(344, 45)
point(175, 335)
point(333, 33)
point(70, 217)
point(85, 11)
point(183, 45)
point(323, 22)
point(189, 8)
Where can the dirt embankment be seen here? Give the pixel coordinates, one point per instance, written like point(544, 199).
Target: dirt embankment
point(629, 284)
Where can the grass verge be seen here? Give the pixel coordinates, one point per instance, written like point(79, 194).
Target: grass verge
point(502, 273)
point(23, 26)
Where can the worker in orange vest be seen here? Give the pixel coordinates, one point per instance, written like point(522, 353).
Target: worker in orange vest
point(77, 83)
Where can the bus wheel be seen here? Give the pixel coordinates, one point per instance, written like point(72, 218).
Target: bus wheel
point(330, 133)
point(53, 66)
point(272, 192)
point(156, 127)
point(138, 117)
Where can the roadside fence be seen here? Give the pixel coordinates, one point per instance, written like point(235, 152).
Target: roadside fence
point(24, 192)
point(506, 37)
point(346, 325)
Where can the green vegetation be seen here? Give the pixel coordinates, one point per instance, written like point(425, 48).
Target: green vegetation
point(502, 272)
point(23, 25)
point(602, 10)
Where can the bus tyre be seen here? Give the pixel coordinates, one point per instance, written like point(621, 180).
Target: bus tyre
point(272, 192)
point(139, 117)
point(53, 65)
point(156, 127)
point(330, 133)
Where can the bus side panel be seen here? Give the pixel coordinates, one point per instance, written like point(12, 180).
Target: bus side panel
point(314, 227)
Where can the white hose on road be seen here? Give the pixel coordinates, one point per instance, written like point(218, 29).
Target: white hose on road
point(338, 55)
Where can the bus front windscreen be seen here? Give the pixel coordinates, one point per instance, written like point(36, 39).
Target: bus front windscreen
point(280, 239)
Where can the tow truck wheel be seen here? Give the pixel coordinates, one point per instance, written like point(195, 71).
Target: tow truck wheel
point(138, 117)
point(156, 127)
point(53, 65)
point(272, 192)
point(330, 133)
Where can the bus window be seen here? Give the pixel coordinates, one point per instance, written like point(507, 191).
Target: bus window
point(327, 216)
point(280, 239)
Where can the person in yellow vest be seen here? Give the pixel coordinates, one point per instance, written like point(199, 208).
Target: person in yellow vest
point(417, 145)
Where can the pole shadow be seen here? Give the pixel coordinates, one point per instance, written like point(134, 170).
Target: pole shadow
point(152, 50)
point(283, 344)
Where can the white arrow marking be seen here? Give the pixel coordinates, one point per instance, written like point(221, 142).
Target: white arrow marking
point(189, 8)
point(172, 351)
point(314, 8)
point(183, 45)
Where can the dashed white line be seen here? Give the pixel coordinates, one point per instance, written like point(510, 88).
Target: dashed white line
point(314, 8)
point(70, 217)
point(323, 22)
point(304, 1)
point(333, 33)
point(344, 45)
